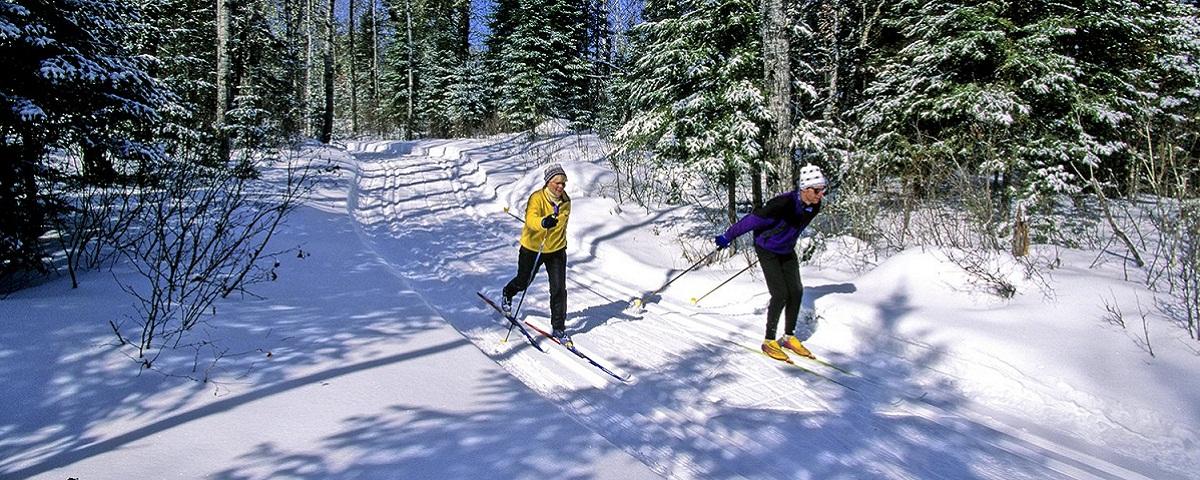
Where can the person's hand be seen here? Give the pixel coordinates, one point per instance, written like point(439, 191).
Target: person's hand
point(549, 221)
point(721, 241)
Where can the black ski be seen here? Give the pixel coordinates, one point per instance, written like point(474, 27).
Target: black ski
point(512, 321)
point(578, 353)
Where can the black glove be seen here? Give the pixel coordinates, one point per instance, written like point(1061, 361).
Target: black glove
point(549, 221)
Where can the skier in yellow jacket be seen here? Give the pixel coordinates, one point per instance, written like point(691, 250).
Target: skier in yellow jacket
point(544, 241)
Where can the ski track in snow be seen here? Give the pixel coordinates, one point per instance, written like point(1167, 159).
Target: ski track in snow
point(697, 406)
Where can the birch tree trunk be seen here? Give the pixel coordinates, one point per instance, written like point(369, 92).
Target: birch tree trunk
point(223, 74)
point(777, 73)
point(408, 121)
point(831, 25)
point(375, 115)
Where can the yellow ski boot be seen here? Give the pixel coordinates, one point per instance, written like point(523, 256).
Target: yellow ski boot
point(771, 349)
point(792, 343)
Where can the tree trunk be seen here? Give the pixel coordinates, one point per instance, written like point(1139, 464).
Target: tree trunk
point(408, 122)
point(327, 124)
point(831, 25)
point(306, 91)
point(756, 186)
point(97, 167)
point(293, 14)
point(1020, 240)
point(731, 196)
point(375, 115)
point(223, 83)
point(353, 80)
point(777, 73)
point(463, 47)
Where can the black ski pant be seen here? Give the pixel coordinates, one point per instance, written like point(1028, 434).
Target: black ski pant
point(528, 263)
point(782, 273)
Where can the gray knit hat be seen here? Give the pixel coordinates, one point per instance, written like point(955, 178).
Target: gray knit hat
point(552, 170)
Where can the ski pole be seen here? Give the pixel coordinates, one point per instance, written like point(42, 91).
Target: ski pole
point(513, 215)
point(722, 284)
point(637, 302)
point(532, 272)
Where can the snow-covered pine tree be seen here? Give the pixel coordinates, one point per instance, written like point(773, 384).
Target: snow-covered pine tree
point(365, 55)
point(446, 55)
point(178, 35)
point(948, 95)
point(1025, 94)
point(598, 50)
point(840, 39)
point(466, 102)
point(428, 51)
point(398, 74)
point(538, 61)
point(1168, 130)
point(71, 85)
point(265, 105)
point(1167, 155)
point(694, 90)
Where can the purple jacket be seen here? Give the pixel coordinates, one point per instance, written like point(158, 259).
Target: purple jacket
point(776, 225)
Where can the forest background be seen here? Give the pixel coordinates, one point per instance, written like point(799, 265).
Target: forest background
point(142, 130)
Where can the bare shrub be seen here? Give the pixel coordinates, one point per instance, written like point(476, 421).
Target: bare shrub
point(1113, 314)
point(199, 235)
point(90, 215)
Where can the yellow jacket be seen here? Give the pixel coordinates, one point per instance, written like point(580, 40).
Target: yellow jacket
point(539, 205)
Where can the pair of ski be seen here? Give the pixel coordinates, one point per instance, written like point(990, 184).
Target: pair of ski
point(532, 341)
point(803, 368)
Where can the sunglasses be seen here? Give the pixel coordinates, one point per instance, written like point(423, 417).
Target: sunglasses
point(818, 190)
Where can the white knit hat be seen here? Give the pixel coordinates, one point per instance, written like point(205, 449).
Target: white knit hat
point(810, 176)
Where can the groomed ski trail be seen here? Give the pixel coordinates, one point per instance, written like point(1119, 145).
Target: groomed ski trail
point(432, 214)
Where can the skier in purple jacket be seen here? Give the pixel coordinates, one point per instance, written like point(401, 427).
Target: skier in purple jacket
point(777, 226)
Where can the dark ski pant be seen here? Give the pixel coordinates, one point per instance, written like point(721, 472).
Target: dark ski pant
point(782, 273)
point(556, 268)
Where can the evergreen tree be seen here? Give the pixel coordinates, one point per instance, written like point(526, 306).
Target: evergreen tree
point(401, 67)
point(430, 48)
point(466, 105)
point(1031, 94)
point(538, 60)
point(71, 86)
point(1166, 133)
point(265, 106)
point(694, 89)
point(694, 92)
point(265, 60)
point(364, 55)
point(178, 35)
point(598, 53)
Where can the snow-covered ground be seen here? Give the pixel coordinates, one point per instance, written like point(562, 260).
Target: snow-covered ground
point(372, 357)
